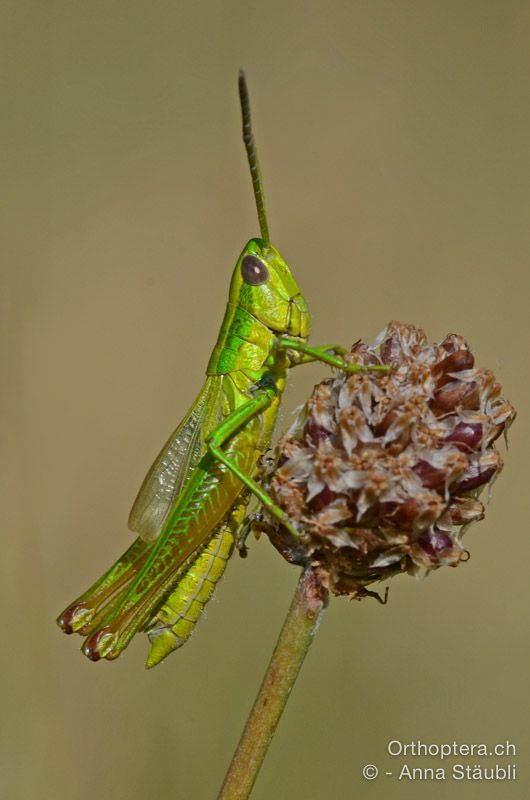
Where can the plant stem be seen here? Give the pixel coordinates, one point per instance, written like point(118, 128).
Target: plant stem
point(293, 643)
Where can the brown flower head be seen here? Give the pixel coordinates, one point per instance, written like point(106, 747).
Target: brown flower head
point(381, 473)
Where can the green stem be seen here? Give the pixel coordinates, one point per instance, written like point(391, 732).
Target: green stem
point(293, 643)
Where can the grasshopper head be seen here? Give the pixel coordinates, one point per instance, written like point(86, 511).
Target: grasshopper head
point(263, 285)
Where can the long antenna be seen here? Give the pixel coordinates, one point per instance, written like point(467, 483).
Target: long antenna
point(252, 153)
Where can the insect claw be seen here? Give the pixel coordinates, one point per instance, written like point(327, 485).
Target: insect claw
point(253, 523)
point(383, 600)
point(242, 548)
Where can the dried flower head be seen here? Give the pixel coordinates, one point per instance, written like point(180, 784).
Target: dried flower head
point(382, 472)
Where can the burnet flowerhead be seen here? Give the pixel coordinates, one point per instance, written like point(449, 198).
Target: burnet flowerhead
point(382, 472)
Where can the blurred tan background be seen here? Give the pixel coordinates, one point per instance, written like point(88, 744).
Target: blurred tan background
point(394, 145)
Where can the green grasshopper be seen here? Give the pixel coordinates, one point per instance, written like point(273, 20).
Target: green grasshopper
point(192, 505)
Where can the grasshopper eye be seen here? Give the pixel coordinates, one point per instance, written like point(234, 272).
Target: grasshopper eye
point(254, 271)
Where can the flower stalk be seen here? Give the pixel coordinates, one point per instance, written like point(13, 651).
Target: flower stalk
point(298, 630)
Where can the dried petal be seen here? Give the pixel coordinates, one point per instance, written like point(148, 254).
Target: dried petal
point(466, 435)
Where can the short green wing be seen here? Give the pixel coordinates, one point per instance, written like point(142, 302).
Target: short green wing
point(175, 462)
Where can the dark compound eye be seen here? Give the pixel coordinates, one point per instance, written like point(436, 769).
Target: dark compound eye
point(254, 271)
